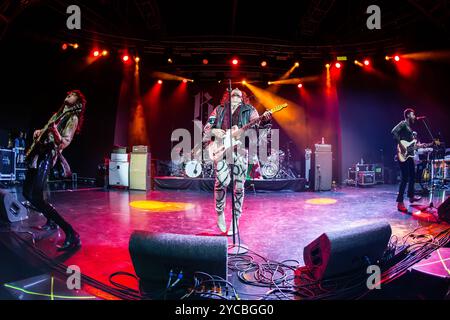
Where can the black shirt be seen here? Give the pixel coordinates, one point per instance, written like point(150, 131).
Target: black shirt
point(402, 131)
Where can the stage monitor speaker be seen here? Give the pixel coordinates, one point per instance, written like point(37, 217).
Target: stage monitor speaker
point(140, 171)
point(444, 210)
point(335, 253)
point(11, 210)
point(155, 254)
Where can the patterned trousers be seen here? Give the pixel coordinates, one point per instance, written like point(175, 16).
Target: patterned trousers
point(223, 179)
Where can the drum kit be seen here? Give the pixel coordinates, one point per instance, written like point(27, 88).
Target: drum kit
point(276, 166)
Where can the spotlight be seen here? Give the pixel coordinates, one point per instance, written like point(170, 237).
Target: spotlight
point(235, 61)
point(104, 53)
point(397, 58)
point(160, 82)
point(300, 85)
point(205, 61)
point(387, 58)
point(64, 46)
point(75, 45)
point(297, 64)
point(137, 59)
point(169, 60)
point(337, 65)
point(244, 82)
point(185, 81)
point(269, 83)
point(327, 66)
point(366, 62)
point(264, 63)
point(125, 58)
point(96, 53)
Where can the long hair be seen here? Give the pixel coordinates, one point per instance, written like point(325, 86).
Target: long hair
point(81, 100)
point(226, 98)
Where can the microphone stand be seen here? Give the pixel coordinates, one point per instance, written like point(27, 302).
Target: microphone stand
point(240, 248)
point(431, 209)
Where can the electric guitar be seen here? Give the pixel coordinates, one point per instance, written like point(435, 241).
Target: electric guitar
point(218, 147)
point(40, 139)
point(410, 147)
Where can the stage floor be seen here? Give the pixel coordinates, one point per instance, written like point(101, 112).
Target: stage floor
point(275, 225)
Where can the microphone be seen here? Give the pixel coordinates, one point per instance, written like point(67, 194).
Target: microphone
point(420, 118)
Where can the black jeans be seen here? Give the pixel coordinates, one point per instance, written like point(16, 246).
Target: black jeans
point(33, 191)
point(408, 170)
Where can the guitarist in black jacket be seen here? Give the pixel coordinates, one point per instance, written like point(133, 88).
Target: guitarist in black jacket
point(57, 135)
point(403, 131)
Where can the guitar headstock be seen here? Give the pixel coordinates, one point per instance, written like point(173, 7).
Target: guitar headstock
point(278, 108)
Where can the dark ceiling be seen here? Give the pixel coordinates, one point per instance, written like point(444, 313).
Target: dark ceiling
point(310, 29)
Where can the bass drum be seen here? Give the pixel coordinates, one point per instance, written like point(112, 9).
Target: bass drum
point(270, 170)
point(193, 169)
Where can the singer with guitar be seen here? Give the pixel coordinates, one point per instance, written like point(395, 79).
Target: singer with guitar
point(242, 114)
point(44, 153)
point(406, 145)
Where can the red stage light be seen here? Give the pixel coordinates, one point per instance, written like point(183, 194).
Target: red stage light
point(159, 81)
point(397, 58)
point(300, 85)
point(235, 61)
point(205, 61)
point(264, 64)
point(125, 58)
point(96, 53)
point(185, 81)
point(64, 46)
point(366, 62)
point(337, 65)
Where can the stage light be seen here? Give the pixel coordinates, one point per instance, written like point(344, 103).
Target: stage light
point(96, 53)
point(297, 64)
point(169, 60)
point(264, 63)
point(327, 66)
point(205, 61)
point(64, 46)
point(244, 82)
point(366, 62)
point(269, 83)
point(235, 61)
point(75, 45)
point(387, 58)
point(337, 65)
point(137, 59)
point(104, 53)
point(300, 85)
point(160, 82)
point(185, 81)
point(397, 58)
point(125, 58)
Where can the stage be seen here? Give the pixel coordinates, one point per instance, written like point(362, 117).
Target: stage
point(275, 225)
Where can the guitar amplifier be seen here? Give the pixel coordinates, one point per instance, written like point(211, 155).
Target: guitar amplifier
point(323, 166)
point(140, 171)
point(118, 173)
point(7, 165)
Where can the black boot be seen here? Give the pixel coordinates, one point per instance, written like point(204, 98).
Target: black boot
point(49, 226)
point(415, 199)
point(72, 242)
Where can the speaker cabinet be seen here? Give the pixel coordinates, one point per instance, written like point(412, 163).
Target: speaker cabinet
point(118, 173)
point(155, 254)
point(140, 171)
point(11, 210)
point(338, 252)
point(323, 166)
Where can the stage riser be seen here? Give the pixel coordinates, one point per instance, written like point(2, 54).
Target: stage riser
point(200, 184)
